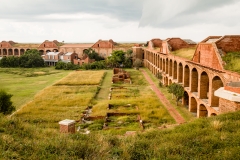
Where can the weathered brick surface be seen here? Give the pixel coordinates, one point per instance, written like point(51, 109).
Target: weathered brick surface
point(228, 106)
point(232, 89)
point(201, 77)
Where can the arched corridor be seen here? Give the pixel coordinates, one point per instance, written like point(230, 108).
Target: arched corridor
point(175, 70)
point(167, 66)
point(193, 106)
point(186, 76)
point(170, 68)
point(186, 100)
point(16, 52)
point(202, 111)
point(194, 80)
point(180, 73)
point(164, 70)
point(204, 86)
point(216, 84)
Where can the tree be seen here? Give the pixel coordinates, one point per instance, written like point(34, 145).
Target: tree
point(137, 63)
point(116, 59)
point(159, 76)
point(6, 106)
point(177, 90)
point(31, 58)
point(92, 54)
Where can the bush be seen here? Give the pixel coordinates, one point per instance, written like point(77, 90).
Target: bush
point(66, 66)
point(6, 106)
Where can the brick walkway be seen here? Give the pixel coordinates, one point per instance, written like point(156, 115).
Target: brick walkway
point(173, 112)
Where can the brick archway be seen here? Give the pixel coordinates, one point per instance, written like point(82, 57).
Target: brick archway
point(194, 80)
point(167, 66)
point(22, 51)
point(41, 52)
point(170, 67)
point(166, 81)
point(186, 76)
point(202, 112)
point(16, 52)
point(204, 86)
point(193, 106)
point(10, 52)
point(164, 65)
point(5, 52)
point(186, 100)
point(216, 84)
point(180, 73)
point(175, 70)
point(161, 63)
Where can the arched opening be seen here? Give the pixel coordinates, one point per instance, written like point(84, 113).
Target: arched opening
point(204, 86)
point(167, 66)
point(166, 81)
point(193, 106)
point(28, 49)
point(16, 53)
point(203, 112)
point(216, 84)
point(170, 67)
point(186, 76)
point(170, 81)
point(55, 50)
point(22, 51)
point(213, 114)
point(175, 70)
point(164, 65)
point(10, 52)
point(0, 52)
point(48, 51)
point(180, 73)
point(4, 52)
point(186, 100)
point(41, 52)
point(160, 64)
point(194, 82)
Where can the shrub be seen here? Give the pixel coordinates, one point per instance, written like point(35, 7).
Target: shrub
point(6, 106)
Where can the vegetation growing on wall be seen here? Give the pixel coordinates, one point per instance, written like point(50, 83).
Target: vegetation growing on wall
point(232, 61)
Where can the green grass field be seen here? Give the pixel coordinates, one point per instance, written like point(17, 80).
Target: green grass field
point(23, 87)
point(32, 133)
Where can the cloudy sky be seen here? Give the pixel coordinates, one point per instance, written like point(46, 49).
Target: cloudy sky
point(120, 20)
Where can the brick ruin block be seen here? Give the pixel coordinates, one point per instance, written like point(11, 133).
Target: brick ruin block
point(67, 126)
point(229, 97)
point(120, 76)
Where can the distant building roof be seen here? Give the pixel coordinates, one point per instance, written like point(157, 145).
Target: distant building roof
point(80, 45)
point(211, 40)
point(189, 41)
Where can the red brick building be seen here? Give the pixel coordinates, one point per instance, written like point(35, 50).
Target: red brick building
point(204, 78)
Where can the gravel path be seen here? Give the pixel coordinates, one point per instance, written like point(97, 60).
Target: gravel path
point(173, 112)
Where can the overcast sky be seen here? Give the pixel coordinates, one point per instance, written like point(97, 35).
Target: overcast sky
point(120, 20)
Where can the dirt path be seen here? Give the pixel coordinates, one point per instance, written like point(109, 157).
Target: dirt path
point(173, 112)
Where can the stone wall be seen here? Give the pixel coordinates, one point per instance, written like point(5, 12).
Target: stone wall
point(228, 106)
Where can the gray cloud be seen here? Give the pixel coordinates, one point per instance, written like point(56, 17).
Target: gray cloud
point(175, 13)
point(29, 10)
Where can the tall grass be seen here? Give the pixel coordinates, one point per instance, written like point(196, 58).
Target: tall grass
point(185, 53)
point(82, 78)
point(194, 140)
